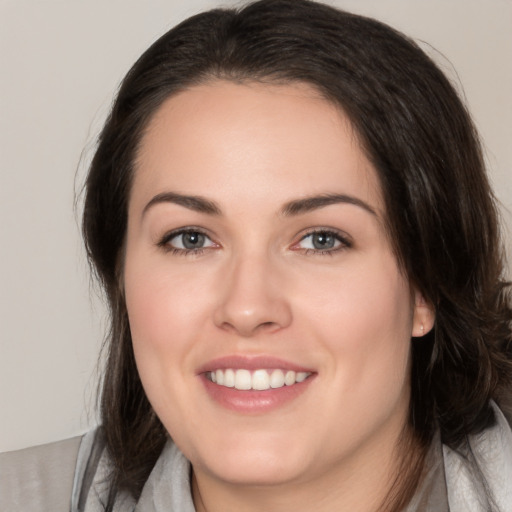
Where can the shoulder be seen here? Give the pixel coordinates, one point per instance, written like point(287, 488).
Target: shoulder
point(39, 478)
point(482, 470)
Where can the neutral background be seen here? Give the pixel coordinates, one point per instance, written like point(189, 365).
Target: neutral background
point(60, 63)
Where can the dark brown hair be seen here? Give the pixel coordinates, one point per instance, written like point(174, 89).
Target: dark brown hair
point(417, 133)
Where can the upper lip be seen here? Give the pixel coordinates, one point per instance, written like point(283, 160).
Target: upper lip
point(251, 363)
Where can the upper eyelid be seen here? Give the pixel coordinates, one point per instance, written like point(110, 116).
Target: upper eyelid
point(169, 235)
point(342, 235)
point(345, 242)
point(164, 241)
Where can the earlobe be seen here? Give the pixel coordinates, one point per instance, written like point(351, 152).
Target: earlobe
point(424, 316)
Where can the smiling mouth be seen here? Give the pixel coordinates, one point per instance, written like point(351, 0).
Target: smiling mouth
point(258, 380)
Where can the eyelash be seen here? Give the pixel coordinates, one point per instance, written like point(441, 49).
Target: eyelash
point(344, 242)
point(164, 242)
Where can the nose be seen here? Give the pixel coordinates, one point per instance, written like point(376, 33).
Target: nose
point(253, 298)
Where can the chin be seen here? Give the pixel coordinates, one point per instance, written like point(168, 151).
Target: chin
point(255, 470)
point(253, 463)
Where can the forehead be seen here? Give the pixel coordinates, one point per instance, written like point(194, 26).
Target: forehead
point(281, 141)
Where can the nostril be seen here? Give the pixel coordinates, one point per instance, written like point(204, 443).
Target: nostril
point(251, 310)
point(249, 329)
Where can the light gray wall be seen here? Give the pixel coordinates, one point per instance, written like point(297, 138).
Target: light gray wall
point(60, 62)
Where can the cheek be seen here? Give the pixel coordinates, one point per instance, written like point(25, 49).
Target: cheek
point(165, 324)
point(162, 304)
point(364, 319)
point(366, 326)
point(366, 297)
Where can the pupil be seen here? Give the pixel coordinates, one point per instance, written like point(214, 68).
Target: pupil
point(323, 241)
point(193, 240)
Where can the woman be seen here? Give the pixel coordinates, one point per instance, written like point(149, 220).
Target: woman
point(290, 216)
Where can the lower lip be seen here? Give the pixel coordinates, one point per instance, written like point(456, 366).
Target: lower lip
point(252, 401)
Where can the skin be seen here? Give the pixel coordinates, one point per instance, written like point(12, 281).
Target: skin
point(259, 287)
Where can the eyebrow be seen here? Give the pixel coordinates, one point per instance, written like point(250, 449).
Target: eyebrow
point(308, 204)
point(295, 207)
point(196, 203)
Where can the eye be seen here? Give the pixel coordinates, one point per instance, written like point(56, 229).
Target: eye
point(322, 241)
point(186, 240)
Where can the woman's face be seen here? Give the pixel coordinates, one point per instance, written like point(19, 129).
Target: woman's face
point(257, 258)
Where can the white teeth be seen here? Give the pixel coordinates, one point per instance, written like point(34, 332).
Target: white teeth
point(229, 378)
point(289, 378)
point(277, 379)
point(301, 376)
point(242, 379)
point(260, 380)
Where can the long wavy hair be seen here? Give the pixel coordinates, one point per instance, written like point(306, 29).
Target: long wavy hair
point(441, 214)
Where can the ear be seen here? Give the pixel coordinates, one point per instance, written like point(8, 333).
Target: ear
point(424, 315)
